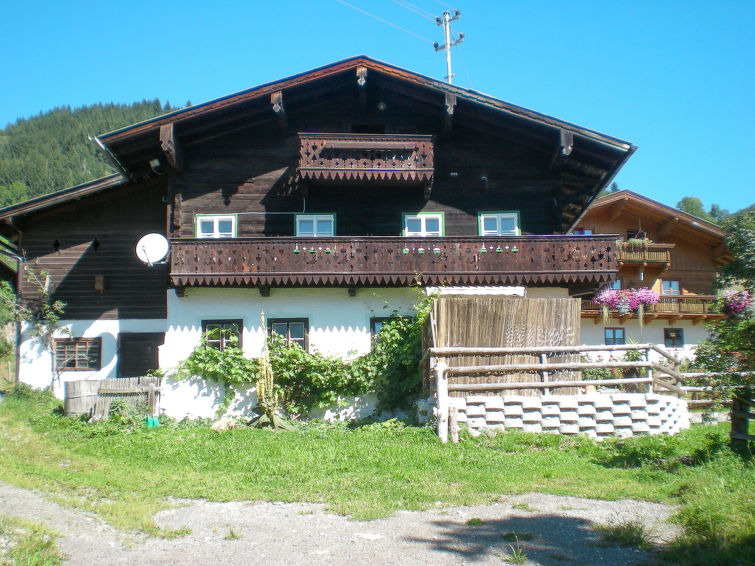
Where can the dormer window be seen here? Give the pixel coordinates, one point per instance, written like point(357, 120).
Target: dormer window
point(215, 225)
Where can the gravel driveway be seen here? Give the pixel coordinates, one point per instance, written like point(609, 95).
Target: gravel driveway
point(559, 531)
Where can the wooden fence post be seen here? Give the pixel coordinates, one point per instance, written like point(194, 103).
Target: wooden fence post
point(441, 386)
point(544, 374)
point(453, 423)
point(741, 416)
point(649, 371)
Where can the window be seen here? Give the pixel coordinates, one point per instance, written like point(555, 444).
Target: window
point(423, 224)
point(215, 226)
point(221, 334)
point(78, 354)
point(673, 337)
point(583, 231)
point(293, 330)
point(614, 336)
point(498, 223)
point(615, 285)
point(376, 324)
point(670, 287)
point(315, 225)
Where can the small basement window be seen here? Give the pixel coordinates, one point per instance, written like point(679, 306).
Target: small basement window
point(293, 330)
point(673, 337)
point(220, 334)
point(423, 224)
point(315, 225)
point(614, 336)
point(498, 223)
point(215, 225)
point(78, 354)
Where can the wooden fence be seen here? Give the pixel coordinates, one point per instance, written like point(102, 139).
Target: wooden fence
point(94, 397)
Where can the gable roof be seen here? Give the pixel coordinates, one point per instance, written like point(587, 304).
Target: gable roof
point(584, 160)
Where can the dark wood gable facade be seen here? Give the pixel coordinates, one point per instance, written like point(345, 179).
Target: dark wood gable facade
point(354, 174)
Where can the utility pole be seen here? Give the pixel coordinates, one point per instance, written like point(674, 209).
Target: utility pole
point(445, 21)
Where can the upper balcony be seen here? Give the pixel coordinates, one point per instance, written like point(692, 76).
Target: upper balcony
point(392, 261)
point(403, 159)
point(658, 254)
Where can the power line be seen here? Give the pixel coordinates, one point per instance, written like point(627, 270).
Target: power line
point(417, 10)
point(444, 4)
point(385, 21)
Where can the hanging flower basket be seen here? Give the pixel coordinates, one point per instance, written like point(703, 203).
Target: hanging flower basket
point(625, 301)
point(735, 302)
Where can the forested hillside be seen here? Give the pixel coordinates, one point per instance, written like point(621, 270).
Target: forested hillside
point(52, 151)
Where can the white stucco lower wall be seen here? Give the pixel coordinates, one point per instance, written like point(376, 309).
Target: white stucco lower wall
point(35, 364)
point(339, 325)
point(651, 332)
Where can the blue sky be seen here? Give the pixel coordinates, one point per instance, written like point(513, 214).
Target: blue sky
point(676, 78)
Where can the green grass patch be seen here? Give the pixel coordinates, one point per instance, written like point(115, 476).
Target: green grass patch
point(26, 543)
point(126, 472)
point(627, 533)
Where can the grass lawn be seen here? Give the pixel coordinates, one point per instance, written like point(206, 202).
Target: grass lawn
point(127, 473)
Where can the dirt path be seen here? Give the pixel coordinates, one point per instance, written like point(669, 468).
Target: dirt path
point(245, 533)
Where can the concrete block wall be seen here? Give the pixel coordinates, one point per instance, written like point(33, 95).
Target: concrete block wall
point(596, 415)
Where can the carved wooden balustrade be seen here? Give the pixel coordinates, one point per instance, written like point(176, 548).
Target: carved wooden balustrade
point(669, 306)
point(349, 157)
point(392, 261)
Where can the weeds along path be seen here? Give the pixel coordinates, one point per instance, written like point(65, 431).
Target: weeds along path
point(547, 529)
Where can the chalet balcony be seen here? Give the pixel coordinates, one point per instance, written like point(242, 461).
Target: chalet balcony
point(392, 261)
point(402, 159)
point(653, 254)
point(696, 307)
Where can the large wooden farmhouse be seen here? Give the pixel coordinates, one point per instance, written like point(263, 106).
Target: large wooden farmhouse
point(677, 256)
point(319, 199)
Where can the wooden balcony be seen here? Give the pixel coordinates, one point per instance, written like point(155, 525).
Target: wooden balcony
point(659, 254)
point(392, 261)
point(401, 159)
point(672, 307)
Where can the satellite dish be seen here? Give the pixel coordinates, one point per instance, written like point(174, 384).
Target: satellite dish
point(152, 249)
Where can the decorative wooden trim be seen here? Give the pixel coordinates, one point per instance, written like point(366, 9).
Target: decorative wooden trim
point(171, 147)
point(391, 261)
point(351, 157)
point(276, 101)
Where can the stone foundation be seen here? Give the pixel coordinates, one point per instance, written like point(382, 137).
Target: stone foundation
point(596, 415)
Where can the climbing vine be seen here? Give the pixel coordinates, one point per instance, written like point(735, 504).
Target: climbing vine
point(306, 380)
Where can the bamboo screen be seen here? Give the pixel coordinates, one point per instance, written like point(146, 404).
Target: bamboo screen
point(507, 322)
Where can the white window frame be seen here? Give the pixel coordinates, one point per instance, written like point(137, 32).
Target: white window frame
point(423, 217)
point(215, 218)
point(481, 216)
point(315, 218)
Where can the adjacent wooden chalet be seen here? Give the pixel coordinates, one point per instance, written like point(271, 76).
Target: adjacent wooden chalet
point(357, 175)
point(667, 250)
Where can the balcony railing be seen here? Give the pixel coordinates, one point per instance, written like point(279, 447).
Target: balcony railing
point(651, 253)
point(392, 261)
point(669, 306)
point(350, 157)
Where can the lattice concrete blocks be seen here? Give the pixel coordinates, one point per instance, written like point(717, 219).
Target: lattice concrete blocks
point(596, 415)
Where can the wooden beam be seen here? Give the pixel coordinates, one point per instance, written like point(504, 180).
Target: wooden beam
point(448, 115)
point(667, 228)
point(361, 83)
point(276, 100)
point(616, 209)
point(171, 147)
